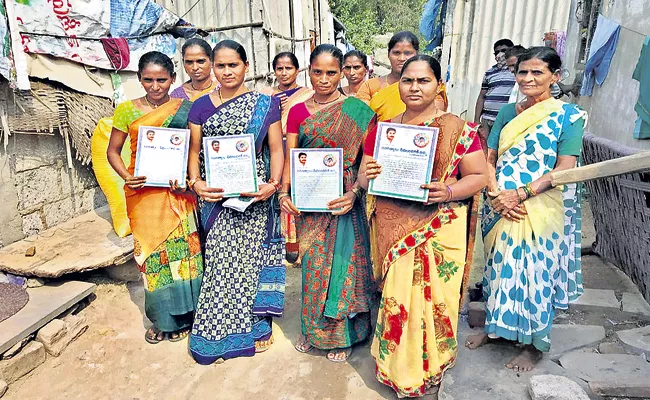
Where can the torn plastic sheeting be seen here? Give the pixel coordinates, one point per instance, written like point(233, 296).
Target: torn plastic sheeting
point(71, 29)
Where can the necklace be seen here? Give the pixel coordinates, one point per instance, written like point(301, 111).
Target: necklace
point(313, 98)
point(154, 105)
point(436, 115)
point(221, 98)
point(199, 89)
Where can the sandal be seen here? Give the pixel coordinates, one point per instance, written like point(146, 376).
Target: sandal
point(303, 346)
point(333, 354)
point(263, 345)
point(154, 336)
point(179, 335)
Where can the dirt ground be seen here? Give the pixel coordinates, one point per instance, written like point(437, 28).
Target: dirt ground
point(112, 361)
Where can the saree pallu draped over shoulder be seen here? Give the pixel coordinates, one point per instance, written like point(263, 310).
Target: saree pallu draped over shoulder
point(244, 281)
point(532, 266)
point(336, 282)
point(422, 256)
point(167, 247)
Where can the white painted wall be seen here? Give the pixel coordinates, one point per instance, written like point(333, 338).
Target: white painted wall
point(611, 108)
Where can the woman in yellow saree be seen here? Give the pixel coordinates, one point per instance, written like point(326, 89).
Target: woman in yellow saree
point(531, 230)
point(422, 252)
point(382, 94)
point(198, 65)
point(167, 249)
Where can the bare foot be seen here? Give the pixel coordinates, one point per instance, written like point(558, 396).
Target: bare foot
point(526, 360)
point(476, 341)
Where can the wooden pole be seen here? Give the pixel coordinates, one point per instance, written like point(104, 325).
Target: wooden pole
point(623, 165)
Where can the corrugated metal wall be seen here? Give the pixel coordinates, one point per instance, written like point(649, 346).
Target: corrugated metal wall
point(260, 44)
point(473, 26)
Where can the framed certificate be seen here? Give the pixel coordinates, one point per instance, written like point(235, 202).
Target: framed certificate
point(161, 155)
point(405, 153)
point(230, 164)
point(316, 178)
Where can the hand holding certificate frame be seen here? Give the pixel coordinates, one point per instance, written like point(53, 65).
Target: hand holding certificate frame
point(405, 153)
point(316, 178)
point(161, 156)
point(230, 164)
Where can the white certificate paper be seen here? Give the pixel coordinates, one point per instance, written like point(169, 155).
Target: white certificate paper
point(316, 178)
point(230, 164)
point(162, 155)
point(405, 153)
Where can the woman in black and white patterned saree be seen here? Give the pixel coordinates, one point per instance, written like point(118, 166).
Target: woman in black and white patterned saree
point(243, 282)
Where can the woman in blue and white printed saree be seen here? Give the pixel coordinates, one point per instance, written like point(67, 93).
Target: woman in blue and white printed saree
point(244, 278)
point(531, 230)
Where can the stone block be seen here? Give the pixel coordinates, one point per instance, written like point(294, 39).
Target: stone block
point(622, 387)
point(598, 298)
point(30, 357)
point(554, 387)
point(476, 314)
point(610, 348)
point(636, 340)
point(32, 223)
point(599, 367)
point(16, 348)
point(569, 337)
point(3, 387)
point(58, 334)
point(60, 211)
point(38, 186)
point(635, 303)
point(35, 151)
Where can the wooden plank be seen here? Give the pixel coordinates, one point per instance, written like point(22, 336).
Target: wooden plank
point(45, 303)
point(81, 244)
point(624, 165)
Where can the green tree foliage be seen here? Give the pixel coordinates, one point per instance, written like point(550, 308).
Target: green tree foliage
point(365, 18)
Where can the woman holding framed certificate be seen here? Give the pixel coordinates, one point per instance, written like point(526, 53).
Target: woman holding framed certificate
point(243, 283)
point(166, 240)
point(422, 251)
point(334, 245)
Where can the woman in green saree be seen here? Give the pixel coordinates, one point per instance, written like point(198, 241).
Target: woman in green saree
point(334, 246)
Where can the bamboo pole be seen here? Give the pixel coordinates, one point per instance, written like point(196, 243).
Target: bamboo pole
point(623, 165)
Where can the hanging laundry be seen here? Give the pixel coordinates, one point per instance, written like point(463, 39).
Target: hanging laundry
point(76, 27)
point(642, 106)
point(603, 47)
point(5, 44)
point(117, 51)
point(431, 24)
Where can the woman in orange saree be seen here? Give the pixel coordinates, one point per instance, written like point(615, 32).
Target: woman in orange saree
point(422, 252)
point(167, 249)
point(382, 94)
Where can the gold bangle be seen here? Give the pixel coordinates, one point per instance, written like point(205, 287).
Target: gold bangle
point(282, 196)
point(192, 182)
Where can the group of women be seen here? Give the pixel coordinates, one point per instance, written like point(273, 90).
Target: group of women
point(218, 275)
